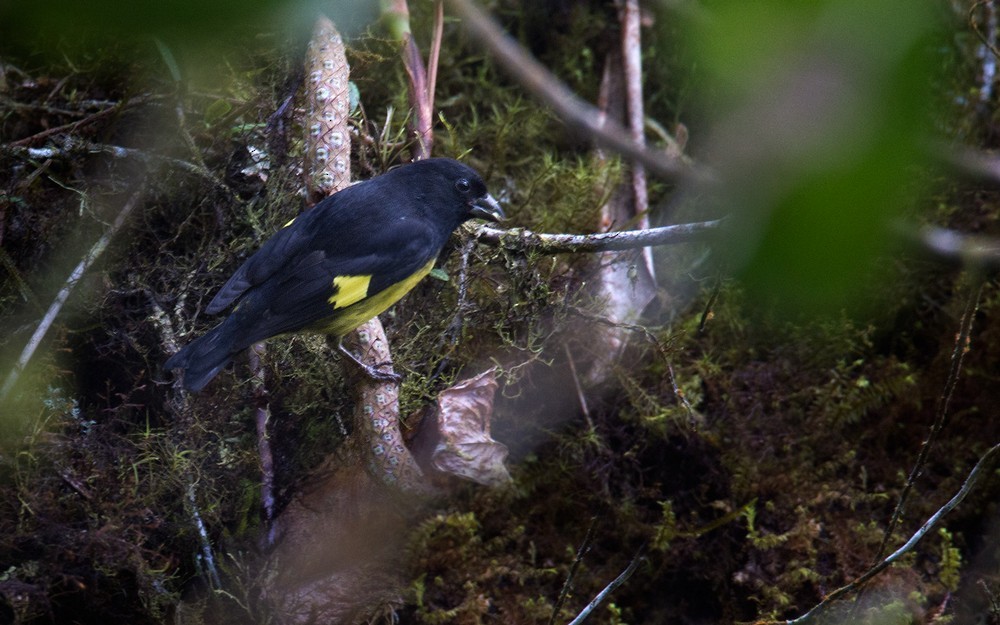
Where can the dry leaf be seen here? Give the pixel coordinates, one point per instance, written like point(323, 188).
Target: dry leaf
point(464, 447)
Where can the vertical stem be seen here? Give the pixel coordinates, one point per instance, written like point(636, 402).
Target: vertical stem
point(435, 55)
point(262, 415)
point(632, 56)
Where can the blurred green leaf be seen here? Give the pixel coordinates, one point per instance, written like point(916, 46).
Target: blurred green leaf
point(822, 109)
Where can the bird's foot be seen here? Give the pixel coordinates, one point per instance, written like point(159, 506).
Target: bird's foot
point(372, 371)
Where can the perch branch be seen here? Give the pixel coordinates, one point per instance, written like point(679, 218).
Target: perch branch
point(573, 111)
point(971, 251)
point(519, 239)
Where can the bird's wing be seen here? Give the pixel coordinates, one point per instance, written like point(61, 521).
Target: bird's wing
point(285, 245)
point(322, 283)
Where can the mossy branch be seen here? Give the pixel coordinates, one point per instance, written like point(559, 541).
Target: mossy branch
point(526, 240)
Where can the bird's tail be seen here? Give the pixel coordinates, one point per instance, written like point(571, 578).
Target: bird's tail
point(204, 357)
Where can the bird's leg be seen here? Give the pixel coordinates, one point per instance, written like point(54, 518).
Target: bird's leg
point(370, 371)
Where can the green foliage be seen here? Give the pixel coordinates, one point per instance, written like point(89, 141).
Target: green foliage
point(951, 561)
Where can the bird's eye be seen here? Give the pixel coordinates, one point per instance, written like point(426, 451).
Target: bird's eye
point(462, 185)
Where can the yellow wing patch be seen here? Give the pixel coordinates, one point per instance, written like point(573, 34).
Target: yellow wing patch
point(349, 290)
point(364, 307)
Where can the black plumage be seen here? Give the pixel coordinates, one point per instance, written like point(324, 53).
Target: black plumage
point(341, 263)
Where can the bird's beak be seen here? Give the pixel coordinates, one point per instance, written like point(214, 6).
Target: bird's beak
point(487, 208)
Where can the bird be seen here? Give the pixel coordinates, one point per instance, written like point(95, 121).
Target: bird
point(341, 263)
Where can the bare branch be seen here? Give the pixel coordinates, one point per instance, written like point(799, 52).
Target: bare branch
point(262, 415)
point(73, 146)
point(568, 584)
point(632, 61)
point(74, 126)
point(601, 596)
point(572, 110)
point(970, 482)
point(957, 356)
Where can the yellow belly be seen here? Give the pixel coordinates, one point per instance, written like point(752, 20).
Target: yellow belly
point(347, 318)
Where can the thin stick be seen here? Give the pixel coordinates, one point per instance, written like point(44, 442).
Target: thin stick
point(262, 415)
point(73, 146)
point(970, 483)
point(572, 110)
point(601, 596)
point(953, 248)
point(74, 126)
point(632, 62)
point(568, 584)
point(957, 356)
point(50, 315)
point(581, 396)
point(206, 544)
point(435, 55)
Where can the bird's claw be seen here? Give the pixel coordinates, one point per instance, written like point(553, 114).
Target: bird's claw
point(372, 371)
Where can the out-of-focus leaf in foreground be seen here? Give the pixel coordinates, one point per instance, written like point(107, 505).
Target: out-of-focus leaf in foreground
point(822, 108)
point(25, 22)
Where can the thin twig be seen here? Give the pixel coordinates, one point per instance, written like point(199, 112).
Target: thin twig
point(568, 584)
point(434, 57)
point(601, 596)
point(679, 394)
point(73, 146)
point(976, 252)
point(572, 110)
point(581, 396)
point(50, 315)
point(707, 313)
point(970, 483)
point(632, 62)
point(262, 415)
point(454, 331)
point(958, 353)
point(957, 356)
point(206, 544)
point(74, 126)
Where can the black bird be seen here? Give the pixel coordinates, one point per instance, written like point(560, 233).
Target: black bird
point(341, 263)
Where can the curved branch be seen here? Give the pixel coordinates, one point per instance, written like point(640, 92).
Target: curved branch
point(572, 110)
point(520, 239)
point(970, 482)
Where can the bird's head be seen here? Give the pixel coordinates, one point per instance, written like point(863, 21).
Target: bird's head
point(466, 186)
point(481, 204)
